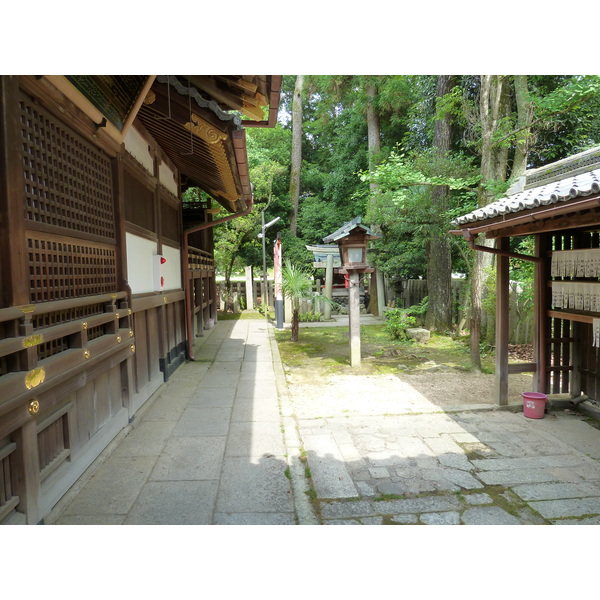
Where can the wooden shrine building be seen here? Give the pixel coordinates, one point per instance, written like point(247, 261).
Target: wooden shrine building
point(106, 279)
point(559, 205)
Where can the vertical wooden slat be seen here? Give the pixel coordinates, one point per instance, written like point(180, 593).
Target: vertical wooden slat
point(28, 471)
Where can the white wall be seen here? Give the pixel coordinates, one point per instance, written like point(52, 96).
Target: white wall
point(137, 146)
point(141, 255)
point(172, 268)
point(140, 265)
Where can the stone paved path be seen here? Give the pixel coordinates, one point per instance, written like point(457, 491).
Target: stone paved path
point(227, 441)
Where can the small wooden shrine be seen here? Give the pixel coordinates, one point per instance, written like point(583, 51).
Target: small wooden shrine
point(559, 205)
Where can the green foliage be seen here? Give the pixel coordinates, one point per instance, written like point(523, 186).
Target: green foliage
point(310, 317)
point(297, 283)
point(397, 321)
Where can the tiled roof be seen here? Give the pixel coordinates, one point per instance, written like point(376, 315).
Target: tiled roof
point(347, 228)
point(581, 185)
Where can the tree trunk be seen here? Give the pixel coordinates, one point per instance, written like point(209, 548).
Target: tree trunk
point(491, 102)
point(296, 162)
point(295, 324)
point(524, 120)
point(439, 260)
point(374, 145)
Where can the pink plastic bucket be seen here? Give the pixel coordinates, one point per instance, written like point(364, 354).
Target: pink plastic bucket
point(534, 404)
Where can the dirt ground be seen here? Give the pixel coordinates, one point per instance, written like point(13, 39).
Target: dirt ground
point(338, 395)
point(344, 391)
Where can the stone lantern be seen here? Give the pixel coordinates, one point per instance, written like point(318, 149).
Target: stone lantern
point(352, 239)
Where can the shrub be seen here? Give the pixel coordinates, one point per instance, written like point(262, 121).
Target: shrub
point(309, 317)
point(397, 321)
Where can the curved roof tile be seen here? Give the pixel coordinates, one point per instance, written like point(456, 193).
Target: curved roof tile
point(583, 184)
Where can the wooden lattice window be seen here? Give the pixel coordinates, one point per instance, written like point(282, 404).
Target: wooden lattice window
point(68, 182)
point(169, 216)
point(53, 442)
point(8, 497)
point(139, 203)
point(62, 269)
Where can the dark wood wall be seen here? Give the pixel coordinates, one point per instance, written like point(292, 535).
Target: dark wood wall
point(79, 354)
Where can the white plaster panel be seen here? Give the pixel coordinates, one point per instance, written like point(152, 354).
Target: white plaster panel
point(137, 146)
point(140, 263)
point(172, 268)
point(167, 178)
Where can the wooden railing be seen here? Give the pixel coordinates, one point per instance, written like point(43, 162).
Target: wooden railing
point(200, 260)
point(32, 354)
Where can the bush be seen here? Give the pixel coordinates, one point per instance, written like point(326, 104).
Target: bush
point(397, 321)
point(309, 317)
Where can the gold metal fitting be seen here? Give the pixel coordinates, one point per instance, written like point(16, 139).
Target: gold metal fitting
point(86, 354)
point(131, 333)
point(35, 377)
point(34, 407)
point(84, 325)
point(118, 339)
point(132, 347)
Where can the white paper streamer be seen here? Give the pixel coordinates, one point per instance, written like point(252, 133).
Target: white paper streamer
point(596, 333)
point(576, 295)
point(576, 263)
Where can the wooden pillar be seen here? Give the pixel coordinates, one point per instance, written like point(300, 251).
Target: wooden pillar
point(14, 282)
point(540, 308)
point(502, 317)
point(354, 317)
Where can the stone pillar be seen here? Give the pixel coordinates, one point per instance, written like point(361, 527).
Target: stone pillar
point(354, 317)
point(380, 292)
point(278, 283)
point(328, 287)
point(249, 288)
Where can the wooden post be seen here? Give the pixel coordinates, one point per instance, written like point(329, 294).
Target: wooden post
point(249, 288)
point(540, 308)
point(14, 281)
point(354, 317)
point(502, 309)
point(328, 287)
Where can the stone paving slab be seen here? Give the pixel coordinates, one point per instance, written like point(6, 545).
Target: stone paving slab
point(174, 503)
point(247, 487)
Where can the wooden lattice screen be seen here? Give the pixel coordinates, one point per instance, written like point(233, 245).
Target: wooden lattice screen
point(61, 269)
point(68, 182)
point(69, 210)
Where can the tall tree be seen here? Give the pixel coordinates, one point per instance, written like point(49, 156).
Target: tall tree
point(491, 103)
point(296, 164)
point(374, 140)
point(439, 257)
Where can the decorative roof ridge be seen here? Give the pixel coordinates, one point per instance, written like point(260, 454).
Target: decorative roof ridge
point(582, 162)
point(209, 104)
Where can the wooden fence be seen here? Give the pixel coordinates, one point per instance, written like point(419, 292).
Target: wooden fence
point(404, 294)
point(410, 292)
